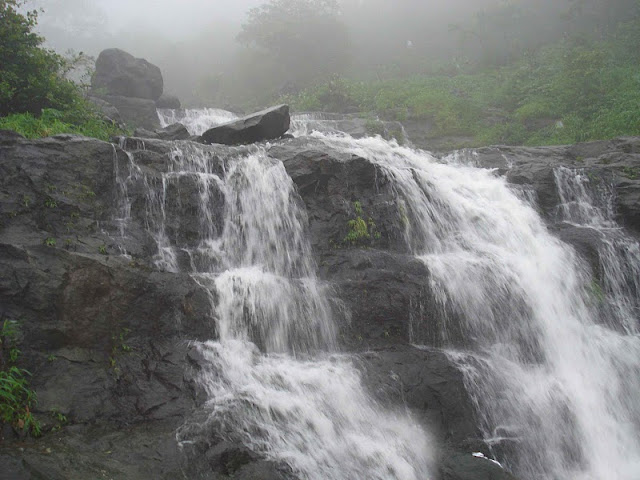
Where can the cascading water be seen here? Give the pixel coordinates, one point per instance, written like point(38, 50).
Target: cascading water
point(555, 383)
point(197, 121)
point(274, 380)
point(588, 203)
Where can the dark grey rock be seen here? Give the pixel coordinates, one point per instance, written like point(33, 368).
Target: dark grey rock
point(8, 137)
point(464, 466)
point(265, 125)
point(427, 382)
point(177, 131)
point(108, 111)
point(616, 162)
point(144, 133)
point(168, 101)
point(121, 74)
point(106, 336)
point(136, 112)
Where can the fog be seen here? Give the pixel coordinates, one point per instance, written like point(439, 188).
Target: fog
point(196, 43)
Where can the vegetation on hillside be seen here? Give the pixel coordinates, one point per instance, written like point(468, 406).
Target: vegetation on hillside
point(35, 97)
point(577, 89)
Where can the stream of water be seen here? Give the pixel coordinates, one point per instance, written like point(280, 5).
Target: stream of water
point(551, 352)
point(274, 378)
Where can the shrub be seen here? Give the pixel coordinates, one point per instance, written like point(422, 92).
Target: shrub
point(30, 75)
point(16, 398)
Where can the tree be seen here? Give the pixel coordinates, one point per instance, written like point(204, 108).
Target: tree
point(29, 74)
point(305, 37)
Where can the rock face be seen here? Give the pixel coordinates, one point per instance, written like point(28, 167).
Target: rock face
point(128, 90)
point(265, 125)
point(106, 335)
point(614, 162)
point(168, 101)
point(135, 111)
point(120, 73)
point(177, 131)
point(109, 112)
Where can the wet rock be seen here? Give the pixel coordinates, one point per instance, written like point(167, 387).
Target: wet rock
point(464, 466)
point(615, 162)
point(138, 112)
point(144, 133)
point(8, 137)
point(427, 382)
point(177, 131)
point(168, 101)
point(109, 112)
point(119, 73)
point(265, 125)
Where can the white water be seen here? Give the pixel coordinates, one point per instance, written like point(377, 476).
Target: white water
point(197, 121)
point(274, 380)
point(556, 382)
point(550, 354)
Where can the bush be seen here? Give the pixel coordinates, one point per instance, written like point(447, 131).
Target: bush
point(30, 75)
point(35, 98)
point(80, 120)
point(16, 398)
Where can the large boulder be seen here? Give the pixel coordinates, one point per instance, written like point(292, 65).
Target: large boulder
point(120, 73)
point(168, 101)
point(137, 112)
point(265, 125)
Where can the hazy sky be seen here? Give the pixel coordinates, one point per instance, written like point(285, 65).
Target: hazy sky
point(170, 19)
point(171, 15)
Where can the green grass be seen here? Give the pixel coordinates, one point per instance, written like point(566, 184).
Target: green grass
point(572, 91)
point(80, 120)
point(16, 398)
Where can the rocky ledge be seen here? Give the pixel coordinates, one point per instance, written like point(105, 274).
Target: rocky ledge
point(106, 336)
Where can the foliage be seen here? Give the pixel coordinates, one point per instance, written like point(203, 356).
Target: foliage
point(575, 90)
point(305, 37)
point(16, 398)
point(30, 75)
point(360, 232)
point(81, 119)
point(36, 97)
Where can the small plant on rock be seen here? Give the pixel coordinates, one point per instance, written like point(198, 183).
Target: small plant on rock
point(16, 398)
point(361, 231)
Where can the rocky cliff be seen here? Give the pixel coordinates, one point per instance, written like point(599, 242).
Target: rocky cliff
point(106, 333)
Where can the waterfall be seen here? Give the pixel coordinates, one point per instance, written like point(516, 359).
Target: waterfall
point(274, 378)
point(555, 377)
point(197, 120)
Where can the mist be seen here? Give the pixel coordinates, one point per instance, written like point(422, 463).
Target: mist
point(205, 61)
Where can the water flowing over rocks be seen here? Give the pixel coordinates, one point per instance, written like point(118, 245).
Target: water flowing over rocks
point(127, 291)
